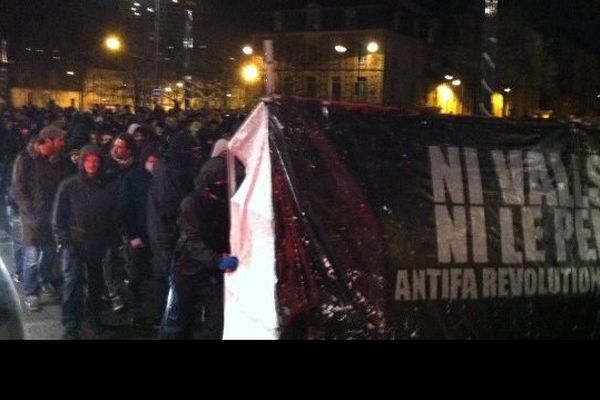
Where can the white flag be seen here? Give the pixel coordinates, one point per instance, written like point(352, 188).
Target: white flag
point(250, 311)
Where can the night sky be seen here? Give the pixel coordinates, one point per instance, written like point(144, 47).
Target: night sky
point(68, 24)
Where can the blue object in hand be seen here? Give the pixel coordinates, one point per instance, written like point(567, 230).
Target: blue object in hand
point(228, 263)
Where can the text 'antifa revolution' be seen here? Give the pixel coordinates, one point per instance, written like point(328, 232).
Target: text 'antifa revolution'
point(533, 229)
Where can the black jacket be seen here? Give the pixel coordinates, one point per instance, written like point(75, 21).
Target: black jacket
point(171, 182)
point(204, 222)
point(85, 210)
point(133, 201)
point(34, 184)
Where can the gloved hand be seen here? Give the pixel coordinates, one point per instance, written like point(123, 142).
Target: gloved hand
point(228, 263)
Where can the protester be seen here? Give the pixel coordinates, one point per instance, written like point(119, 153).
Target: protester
point(83, 220)
point(36, 175)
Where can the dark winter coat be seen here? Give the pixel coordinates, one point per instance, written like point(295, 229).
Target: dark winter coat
point(85, 210)
point(204, 222)
point(133, 198)
point(171, 182)
point(34, 184)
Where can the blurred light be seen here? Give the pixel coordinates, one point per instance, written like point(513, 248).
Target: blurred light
point(28, 48)
point(456, 82)
point(250, 73)
point(170, 47)
point(112, 43)
point(39, 50)
point(507, 90)
point(55, 57)
point(228, 95)
point(448, 77)
point(168, 89)
point(340, 49)
point(179, 84)
point(175, 1)
point(70, 73)
point(445, 93)
point(136, 4)
point(491, 7)
point(202, 46)
point(133, 9)
point(247, 50)
point(231, 58)
point(137, 14)
point(497, 104)
point(187, 77)
point(372, 47)
point(149, 9)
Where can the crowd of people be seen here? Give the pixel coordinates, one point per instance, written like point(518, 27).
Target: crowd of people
point(96, 202)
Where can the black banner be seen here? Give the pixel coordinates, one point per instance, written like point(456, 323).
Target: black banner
point(433, 227)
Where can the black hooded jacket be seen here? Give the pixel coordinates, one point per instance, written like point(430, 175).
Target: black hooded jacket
point(133, 197)
point(204, 222)
point(85, 209)
point(171, 182)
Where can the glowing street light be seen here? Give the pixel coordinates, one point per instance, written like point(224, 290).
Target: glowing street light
point(448, 77)
point(71, 73)
point(340, 49)
point(112, 43)
point(250, 73)
point(179, 84)
point(456, 82)
point(247, 50)
point(168, 89)
point(372, 47)
point(507, 90)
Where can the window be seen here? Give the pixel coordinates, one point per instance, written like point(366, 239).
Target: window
point(288, 85)
point(278, 21)
point(360, 89)
point(350, 16)
point(336, 88)
point(313, 17)
point(311, 86)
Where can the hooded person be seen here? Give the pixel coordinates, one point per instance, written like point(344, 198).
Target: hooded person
point(37, 172)
point(83, 220)
point(200, 256)
point(132, 204)
point(172, 181)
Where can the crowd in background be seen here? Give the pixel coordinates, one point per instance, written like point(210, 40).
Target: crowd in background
point(98, 201)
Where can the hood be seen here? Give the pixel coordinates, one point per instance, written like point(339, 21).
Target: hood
point(86, 150)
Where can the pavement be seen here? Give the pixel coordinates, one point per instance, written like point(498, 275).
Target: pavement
point(46, 323)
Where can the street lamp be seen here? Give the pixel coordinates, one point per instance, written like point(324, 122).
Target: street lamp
point(250, 73)
point(112, 43)
point(372, 47)
point(247, 50)
point(340, 49)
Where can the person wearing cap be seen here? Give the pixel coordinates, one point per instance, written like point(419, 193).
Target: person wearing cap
point(172, 180)
point(83, 218)
point(37, 173)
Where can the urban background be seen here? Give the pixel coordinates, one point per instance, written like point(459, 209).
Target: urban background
point(193, 54)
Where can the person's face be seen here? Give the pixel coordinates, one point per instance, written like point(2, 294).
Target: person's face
point(59, 144)
point(120, 150)
point(46, 148)
point(150, 163)
point(106, 139)
point(91, 165)
point(139, 136)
